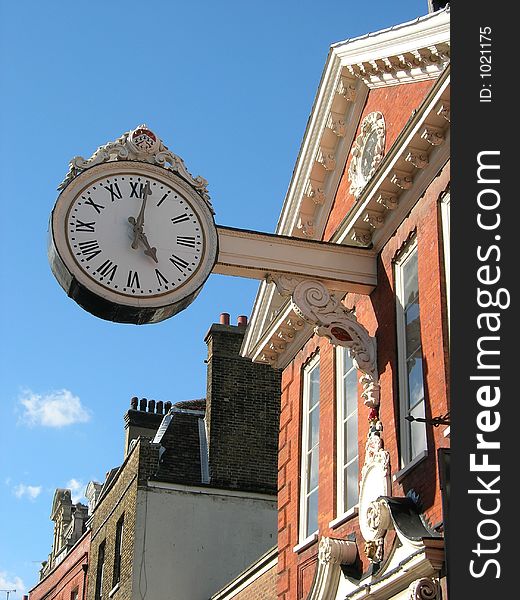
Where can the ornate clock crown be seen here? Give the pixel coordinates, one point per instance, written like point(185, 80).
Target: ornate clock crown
point(142, 145)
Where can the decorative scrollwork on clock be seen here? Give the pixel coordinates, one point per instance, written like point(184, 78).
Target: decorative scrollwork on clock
point(367, 152)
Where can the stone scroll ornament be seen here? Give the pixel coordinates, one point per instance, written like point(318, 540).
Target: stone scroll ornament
point(142, 145)
point(314, 303)
point(425, 588)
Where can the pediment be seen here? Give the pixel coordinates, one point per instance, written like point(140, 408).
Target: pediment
point(416, 51)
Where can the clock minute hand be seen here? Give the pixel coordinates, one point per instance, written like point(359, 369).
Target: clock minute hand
point(138, 223)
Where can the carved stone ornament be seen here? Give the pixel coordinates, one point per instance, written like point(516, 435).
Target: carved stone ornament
point(338, 552)
point(367, 152)
point(332, 553)
point(425, 588)
point(142, 145)
point(374, 515)
point(314, 303)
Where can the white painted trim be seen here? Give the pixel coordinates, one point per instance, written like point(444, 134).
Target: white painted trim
point(352, 512)
point(446, 432)
point(422, 32)
point(306, 543)
point(194, 489)
point(246, 578)
point(445, 224)
point(340, 446)
point(409, 250)
point(303, 534)
point(256, 255)
point(203, 446)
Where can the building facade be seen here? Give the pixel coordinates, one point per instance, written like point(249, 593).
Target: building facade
point(194, 502)
point(364, 424)
point(64, 575)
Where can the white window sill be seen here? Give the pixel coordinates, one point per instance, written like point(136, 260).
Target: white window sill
point(411, 465)
point(352, 512)
point(308, 541)
point(113, 590)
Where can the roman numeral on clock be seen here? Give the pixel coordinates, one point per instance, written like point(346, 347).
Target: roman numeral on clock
point(107, 269)
point(96, 207)
point(163, 198)
point(180, 219)
point(138, 189)
point(87, 227)
point(161, 279)
point(185, 240)
point(114, 190)
point(90, 249)
point(133, 280)
point(180, 263)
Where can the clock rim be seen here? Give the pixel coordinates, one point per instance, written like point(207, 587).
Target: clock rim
point(74, 275)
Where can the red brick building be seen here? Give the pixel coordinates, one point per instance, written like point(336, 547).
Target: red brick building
point(364, 424)
point(68, 580)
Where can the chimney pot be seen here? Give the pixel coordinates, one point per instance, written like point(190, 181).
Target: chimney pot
point(167, 406)
point(133, 403)
point(224, 318)
point(160, 407)
point(242, 321)
point(151, 406)
point(142, 404)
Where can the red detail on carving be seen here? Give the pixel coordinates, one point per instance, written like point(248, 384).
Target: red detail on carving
point(372, 415)
point(340, 334)
point(146, 132)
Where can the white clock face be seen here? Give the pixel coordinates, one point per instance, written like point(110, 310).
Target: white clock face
point(135, 234)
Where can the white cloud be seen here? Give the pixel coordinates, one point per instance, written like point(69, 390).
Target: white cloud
point(55, 409)
point(12, 582)
point(30, 491)
point(77, 489)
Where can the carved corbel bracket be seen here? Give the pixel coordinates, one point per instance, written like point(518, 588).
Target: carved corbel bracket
point(315, 304)
point(332, 553)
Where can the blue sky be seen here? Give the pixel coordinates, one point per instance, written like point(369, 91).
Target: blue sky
point(228, 86)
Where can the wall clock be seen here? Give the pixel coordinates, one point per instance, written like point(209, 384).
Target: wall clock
point(367, 152)
point(132, 239)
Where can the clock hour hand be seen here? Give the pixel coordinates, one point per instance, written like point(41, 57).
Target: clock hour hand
point(149, 250)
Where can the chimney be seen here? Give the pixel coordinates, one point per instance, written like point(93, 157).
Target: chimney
point(242, 413)
point(143, 418)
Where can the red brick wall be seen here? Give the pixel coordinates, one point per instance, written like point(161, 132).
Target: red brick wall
point(397, 104)
point(67, 576)
point(377, 314)
point(262, 588)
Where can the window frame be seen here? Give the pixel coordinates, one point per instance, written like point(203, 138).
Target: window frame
point(445, 228)
point(100, 568)
point(406, 458)
point(343, 511)
point(304, 535)
point(118, 550)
